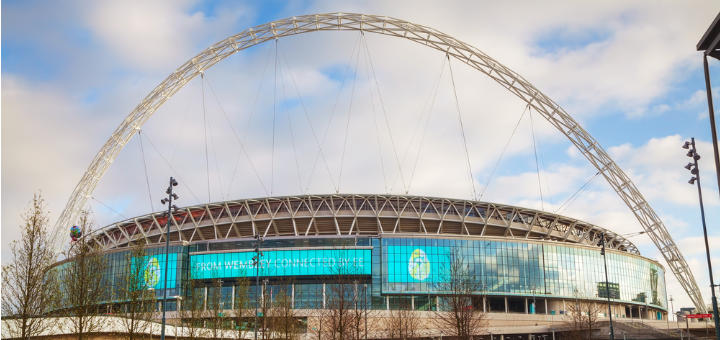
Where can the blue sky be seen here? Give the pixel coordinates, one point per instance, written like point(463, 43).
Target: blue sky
point(71, 71)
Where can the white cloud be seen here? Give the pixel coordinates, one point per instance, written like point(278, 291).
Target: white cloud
point(639, 59)
point(152, 35)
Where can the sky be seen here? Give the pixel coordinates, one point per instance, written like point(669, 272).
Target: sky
point(383, 110)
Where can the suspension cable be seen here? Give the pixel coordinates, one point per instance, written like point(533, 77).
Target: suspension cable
point(384, 111)
point(283, 77)
point(462, 128)
point(347, 124)
point(500, 157)
point(537, 164)
point(109, 208)
point(330, 120)
point(183, 183)
point(576, 193)
point(237, 137)
point(378, 136)
point(250, 117)
point(321, 153)
point(207, 161)
point(426, 125)
point(272, 157)
point(145, 168)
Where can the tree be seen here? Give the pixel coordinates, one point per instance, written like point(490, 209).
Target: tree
point(28, 287)
point(240, 311)
point(192, 310)
point(583, 317)
point(403, 323)
point(284, 324)
point(346, 309)
point(82, 283)
point(138, 299)
point(458, 313)
point(216, 321)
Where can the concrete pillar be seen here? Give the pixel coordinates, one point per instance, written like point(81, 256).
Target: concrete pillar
point(546, 307)
point(506, 308)
point(412, 302)
point(484, 304)
point(526, 306)
point(205, 289)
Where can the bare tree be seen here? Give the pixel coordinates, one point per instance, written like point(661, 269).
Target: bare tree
point(284, 323)
point(82, 283)
point(403, 323)
point(27, 290)
point(458, 314)
point(192, 310)
point(138, 299)
point(582, 318)
point(217, 320)
point(346, 311)
point(240, 312)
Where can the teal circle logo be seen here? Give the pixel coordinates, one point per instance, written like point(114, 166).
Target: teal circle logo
point(419, 266)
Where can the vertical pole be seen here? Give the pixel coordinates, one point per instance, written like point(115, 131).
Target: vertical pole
point(707, 247)
point(167, 256)
point(258, 239)
point(711, 111)
point(607, 287)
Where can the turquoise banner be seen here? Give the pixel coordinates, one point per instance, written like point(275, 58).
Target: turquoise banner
point(152, 271)
point(282, 263)
point(417, 264)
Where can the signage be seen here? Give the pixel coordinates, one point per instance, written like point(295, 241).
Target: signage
point(151, 271)
point(698, 316)
point(417, 264)
point(299, 262)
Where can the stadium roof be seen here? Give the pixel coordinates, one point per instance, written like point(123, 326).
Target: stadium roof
point(353, 215)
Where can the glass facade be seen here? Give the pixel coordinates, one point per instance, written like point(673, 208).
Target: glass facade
point(396, 272)
point(421, 266)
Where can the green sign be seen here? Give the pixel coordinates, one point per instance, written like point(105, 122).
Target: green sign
point(300, 262)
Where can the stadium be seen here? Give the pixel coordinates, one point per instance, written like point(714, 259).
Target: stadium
point(393, 250)
point(529, 269)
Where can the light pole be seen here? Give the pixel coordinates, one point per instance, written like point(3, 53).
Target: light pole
point(168, 200)
point(695, 170)
point(256, 263)
point(607, 285)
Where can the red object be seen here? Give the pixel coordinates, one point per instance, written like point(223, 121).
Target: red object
point(698, 316)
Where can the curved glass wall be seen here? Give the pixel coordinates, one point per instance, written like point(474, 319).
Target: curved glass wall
point(422, 266)
point(401, 268)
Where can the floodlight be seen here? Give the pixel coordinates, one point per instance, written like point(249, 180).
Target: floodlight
point(686, 145)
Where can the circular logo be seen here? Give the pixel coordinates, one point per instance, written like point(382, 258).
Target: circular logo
point(152, 273)
point(419, 266)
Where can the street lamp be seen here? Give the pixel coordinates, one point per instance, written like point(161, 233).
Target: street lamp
point(171, 207)
point(695, 179)
point(256, 263)
point(607, 285)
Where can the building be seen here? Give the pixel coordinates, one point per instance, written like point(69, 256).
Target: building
point(394, 251)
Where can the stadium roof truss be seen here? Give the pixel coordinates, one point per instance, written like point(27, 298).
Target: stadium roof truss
point(432, 38)
point(353, 215)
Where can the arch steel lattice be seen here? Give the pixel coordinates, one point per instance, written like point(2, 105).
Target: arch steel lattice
point(461, 51)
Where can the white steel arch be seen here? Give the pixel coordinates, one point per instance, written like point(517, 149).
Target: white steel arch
point(461, 51)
